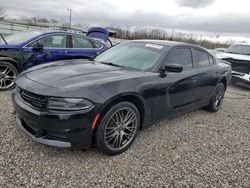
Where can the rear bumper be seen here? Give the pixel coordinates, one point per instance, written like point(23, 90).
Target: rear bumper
point(60, 129)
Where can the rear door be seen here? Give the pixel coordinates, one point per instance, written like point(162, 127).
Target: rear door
point(206, 75)
point(81, 47)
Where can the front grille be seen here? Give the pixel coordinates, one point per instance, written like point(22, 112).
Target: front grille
point(32, 99)
point(239, 65)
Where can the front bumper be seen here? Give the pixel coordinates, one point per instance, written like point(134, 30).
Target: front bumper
point(42, 140)
point(54, 128)
point(241, 78)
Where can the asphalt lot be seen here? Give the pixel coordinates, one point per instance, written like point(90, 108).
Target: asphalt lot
point(197, 149)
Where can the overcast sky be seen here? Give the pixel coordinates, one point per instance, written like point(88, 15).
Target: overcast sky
point(230, 16)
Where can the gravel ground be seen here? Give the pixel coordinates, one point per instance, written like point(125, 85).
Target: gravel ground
point(197, 149)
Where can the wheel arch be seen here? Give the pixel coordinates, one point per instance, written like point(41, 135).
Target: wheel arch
point(11, 61)
point(224, 81)
point(134, 98)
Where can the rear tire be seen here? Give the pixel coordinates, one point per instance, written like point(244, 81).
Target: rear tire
point(8, 74)
point(118, 128)
point(217, 99)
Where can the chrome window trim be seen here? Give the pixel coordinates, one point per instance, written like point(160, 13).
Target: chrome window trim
point(26, 46)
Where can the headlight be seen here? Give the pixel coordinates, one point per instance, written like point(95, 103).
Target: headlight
point(68, 104)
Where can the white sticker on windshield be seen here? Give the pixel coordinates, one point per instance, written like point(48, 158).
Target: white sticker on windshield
point(154, 46)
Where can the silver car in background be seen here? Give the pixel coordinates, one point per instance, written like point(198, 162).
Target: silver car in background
point(239, 56)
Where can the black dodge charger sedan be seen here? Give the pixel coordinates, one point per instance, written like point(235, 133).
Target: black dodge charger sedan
point(104, 102)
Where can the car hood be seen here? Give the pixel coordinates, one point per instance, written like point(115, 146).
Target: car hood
point(233, 56)
point(78, 74)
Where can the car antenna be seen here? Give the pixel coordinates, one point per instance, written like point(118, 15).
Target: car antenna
point(3, 38)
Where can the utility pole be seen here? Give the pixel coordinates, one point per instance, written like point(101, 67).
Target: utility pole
point(70, 15)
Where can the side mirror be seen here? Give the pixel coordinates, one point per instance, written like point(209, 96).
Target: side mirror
point(173, 68)
point(38, 47)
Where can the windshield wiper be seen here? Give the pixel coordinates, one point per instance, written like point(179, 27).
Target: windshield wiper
point(112, 64)
point(3, 38)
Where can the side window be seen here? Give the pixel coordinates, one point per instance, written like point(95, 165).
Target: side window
point(202, 58)
point(181, 56)
point(80, 42)
point(52, 41)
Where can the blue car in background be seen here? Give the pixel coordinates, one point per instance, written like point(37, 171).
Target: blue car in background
point(24, 50)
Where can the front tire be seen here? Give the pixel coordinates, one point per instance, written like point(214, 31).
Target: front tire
point(217, 99)
point(8, 74)
point(118, 128)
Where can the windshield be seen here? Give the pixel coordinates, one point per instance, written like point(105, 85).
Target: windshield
point(239, 49)
point(134, 55)
point(19, 38)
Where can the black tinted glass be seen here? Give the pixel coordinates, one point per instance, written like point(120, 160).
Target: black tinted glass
point(80, 42)
point(202, 58)
point(181, 56)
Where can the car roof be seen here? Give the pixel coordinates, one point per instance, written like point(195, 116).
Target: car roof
point(56, 31)
point(172, 44)
point(165, 43)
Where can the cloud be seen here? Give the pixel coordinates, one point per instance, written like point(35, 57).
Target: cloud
point(194, 3)
point(104, 13)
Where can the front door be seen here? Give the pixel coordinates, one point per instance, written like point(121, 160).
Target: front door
point(52, 48)
point(179, 86)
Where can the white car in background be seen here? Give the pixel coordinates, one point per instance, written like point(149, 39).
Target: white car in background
point(220, 49)
point(239, 56)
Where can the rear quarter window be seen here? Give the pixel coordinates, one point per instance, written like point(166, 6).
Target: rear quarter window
point(202, 58)
point(96, 44)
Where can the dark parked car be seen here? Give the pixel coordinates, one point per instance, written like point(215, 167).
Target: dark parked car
point(21, 51)
point(106, 101)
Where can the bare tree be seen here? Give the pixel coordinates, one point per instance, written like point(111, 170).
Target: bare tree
point(54, 21)
point(140, 33)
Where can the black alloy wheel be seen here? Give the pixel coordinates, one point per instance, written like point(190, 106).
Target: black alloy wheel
point(118, 128)
point(217, 99)
point(8, 74)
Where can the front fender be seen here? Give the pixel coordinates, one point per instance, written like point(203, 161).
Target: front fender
point(11, 60)
point(5, 58)
point(123, 95)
